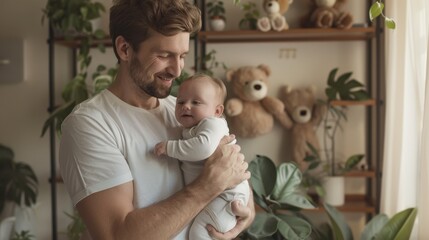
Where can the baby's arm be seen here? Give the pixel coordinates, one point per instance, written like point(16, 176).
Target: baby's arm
point(205, 139)
point(160, 149)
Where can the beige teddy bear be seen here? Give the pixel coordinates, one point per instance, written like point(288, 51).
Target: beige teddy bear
point(251, 112)
point(306, 114)
point(274, 19)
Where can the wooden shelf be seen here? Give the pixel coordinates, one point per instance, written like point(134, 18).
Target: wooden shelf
point(353, 203)
point(294, 34)
point(369, 102)
point(363, 174)
point(75, 43)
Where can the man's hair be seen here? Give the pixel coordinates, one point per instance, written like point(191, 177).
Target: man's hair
point(132, 19)
point(216, 81)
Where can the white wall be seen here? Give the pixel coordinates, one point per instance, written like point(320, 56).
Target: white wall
point(23, 106)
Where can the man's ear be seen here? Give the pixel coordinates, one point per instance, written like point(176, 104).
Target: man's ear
point(122, 48)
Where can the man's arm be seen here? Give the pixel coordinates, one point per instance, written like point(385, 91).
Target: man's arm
point(110, 214)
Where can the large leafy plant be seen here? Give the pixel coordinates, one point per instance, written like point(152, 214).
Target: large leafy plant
point(18, 182)
point(277, 192)
point(380, 227)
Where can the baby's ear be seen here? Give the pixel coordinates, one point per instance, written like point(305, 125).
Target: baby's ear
point(219, 110)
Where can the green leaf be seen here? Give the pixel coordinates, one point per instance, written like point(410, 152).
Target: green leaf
point(338, 223)
point(263, 175)
point(264, 225)
point(399, 226)
point(288, 179)
point(353, 161)
point(292, 227)
point(374, 226)
point(286, 189)
point(375, 10)
point(390, 23)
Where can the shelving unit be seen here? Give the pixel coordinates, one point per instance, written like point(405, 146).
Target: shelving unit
point(372, 35)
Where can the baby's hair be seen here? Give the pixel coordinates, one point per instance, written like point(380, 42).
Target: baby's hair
point(219, 83)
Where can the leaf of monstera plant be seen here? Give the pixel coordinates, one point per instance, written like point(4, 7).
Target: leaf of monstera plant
point(263, 175)
point(264, 226)
point(292, 227)
point(286, 189)
point(399, 226)
point(344, 87)
point(339, 225)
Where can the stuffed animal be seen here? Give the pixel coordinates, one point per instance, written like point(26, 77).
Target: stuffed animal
point(328, 14)
point(251, 112)
point(305, 113)
point(274, 19)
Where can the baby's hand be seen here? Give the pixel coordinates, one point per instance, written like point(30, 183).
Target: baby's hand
point(160, 149)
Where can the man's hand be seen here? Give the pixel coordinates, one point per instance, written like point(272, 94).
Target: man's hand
point(245, 216)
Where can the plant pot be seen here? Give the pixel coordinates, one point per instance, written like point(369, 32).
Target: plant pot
point(6, 228)
point(334, 190)
point(217, 24)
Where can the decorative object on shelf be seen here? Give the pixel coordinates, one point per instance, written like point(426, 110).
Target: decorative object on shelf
point(23, 235)
point(376, 10)
point(216, 13)
point(277, 191)
point(275, 9)
point(251, 16)
point(18, 187)
point(251, 111)
point(305, 113)
point(328, 14)
point(342, 88)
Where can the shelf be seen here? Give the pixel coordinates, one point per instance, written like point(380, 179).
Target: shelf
point(294, 34)
point(75, 43)
point(363, 174)
point(353, 203)
point(344, 103)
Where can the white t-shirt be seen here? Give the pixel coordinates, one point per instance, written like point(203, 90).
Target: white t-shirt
point(106, 142)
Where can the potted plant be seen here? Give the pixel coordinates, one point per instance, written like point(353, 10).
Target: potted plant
point(77, 91)
point(251, 16)
point(18, 184)
point(216, 13)
point(73, 17)
point(277, 191)
point(329, 182)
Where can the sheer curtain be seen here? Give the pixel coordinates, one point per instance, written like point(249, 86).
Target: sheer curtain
point(406, 153)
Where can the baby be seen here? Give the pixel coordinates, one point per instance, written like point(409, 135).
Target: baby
point(199, 108)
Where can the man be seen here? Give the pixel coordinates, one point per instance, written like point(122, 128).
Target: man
point(119, 187)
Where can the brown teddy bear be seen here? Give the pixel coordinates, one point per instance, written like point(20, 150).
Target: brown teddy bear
point(328, 14)
point(306, 114)
point(251, 112)
point(274, 19)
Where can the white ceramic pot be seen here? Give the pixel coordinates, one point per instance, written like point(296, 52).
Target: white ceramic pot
point(334, 190)
point(6, 227)
point(217, 24)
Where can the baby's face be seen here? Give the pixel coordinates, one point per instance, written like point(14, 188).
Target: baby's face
point(197, 99)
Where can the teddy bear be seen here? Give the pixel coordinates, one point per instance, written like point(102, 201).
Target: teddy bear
point(250, 112)
point(274, 19)
point(305, 114)
point(328, 14)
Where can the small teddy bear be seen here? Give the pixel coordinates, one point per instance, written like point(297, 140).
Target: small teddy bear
point(251, 112)
point(274, 19)
point(305, 114)
point(328, 14)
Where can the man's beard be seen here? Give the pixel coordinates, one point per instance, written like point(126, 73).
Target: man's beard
point(144, 83)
